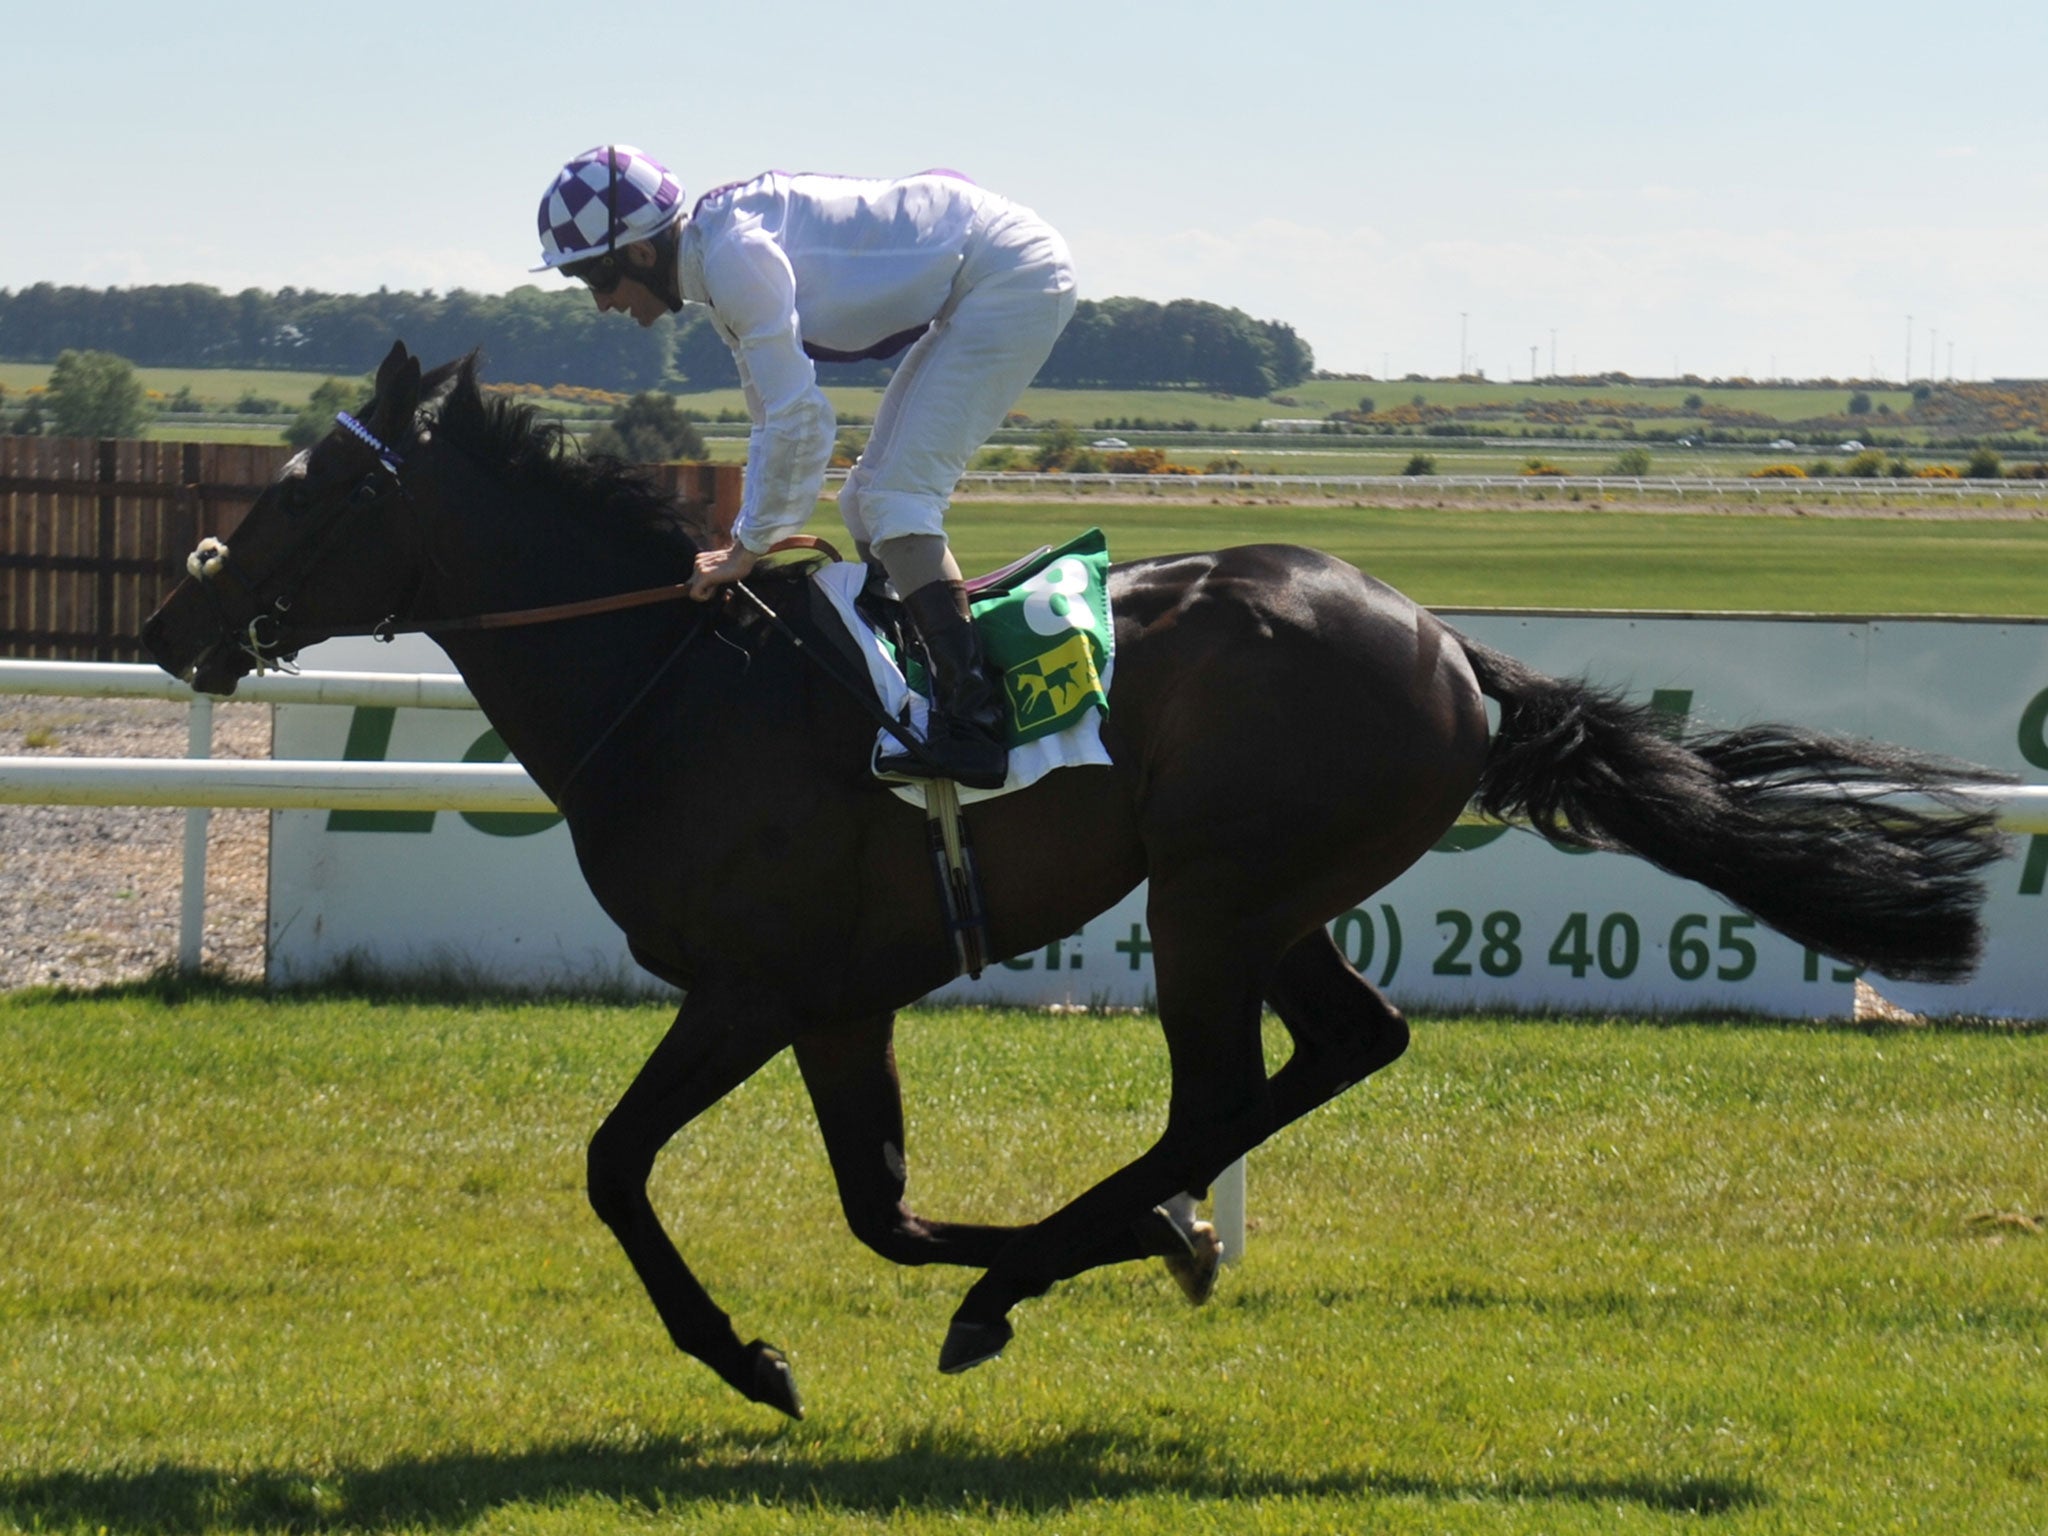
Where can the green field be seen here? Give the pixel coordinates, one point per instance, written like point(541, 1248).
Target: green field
point(1269, 454)
point(216, 387)
point(1093, 410)
point(1558, 559)
point(326, 1265)
point(1316, 398)
point(1312, 398)
point(1319, 455)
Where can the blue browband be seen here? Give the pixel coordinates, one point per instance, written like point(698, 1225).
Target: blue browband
point(388, 456)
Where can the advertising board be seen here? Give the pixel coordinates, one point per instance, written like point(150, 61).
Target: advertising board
point(1494, 917)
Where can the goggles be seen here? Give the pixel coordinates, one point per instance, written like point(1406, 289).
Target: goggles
point(600, 273)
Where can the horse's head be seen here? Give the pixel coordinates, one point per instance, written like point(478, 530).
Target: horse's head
point(331, 545)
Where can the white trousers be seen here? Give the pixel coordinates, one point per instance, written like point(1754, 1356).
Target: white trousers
point(1013, 297)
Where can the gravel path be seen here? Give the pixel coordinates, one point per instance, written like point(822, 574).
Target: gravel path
point(91, 894)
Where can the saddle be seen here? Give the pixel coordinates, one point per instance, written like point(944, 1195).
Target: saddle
point(1048, 638)
point(881, 605)
point(878, 603)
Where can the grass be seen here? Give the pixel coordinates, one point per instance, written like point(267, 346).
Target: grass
point(1620, 559)
point(1319, 455)
point(1316, 398)
point(218, 390)
point(325, 1264)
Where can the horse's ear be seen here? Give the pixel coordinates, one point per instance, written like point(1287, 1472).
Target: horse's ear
point(437, 385)
point(398, 392)
point(393, 365)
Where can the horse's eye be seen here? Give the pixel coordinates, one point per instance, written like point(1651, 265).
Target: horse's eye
point(366, 491)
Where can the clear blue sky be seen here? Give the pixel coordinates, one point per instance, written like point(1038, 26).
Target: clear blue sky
point(1737, 188)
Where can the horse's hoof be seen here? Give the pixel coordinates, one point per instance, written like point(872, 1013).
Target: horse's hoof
point(774, 1382)
point(1190, 1249)
point(969, 1344)
point(1195, 1270)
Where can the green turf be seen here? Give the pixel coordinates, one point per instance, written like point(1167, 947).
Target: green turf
point(327, 1265)
point(1114, 410)
point(1612, 559)
point(1335, 456)
point(217, 388)
point(1314, 399)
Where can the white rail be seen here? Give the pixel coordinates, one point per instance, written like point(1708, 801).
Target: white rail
point(110, 680)
point(1680, 486)
point(197, 781)
point(310, 784)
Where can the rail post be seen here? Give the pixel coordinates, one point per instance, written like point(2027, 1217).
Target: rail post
point(192, 898)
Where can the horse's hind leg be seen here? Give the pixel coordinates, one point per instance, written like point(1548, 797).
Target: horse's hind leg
point(1223, 1105)
point(714, 1045)
point(850, 1070)
point(1211, 982)
point(1343, 1028)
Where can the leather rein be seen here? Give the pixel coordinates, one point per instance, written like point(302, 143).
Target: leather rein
point(553, 613)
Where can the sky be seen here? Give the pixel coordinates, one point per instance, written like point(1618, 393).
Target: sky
point(1780, 189)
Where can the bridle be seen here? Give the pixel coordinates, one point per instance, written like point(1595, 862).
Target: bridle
point(267, 638)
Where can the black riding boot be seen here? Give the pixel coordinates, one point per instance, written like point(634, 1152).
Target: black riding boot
point(965, 737)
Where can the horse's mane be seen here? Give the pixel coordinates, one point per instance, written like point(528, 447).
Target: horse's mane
point(600, 491)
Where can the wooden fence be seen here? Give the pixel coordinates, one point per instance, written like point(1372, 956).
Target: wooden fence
point(94, 534)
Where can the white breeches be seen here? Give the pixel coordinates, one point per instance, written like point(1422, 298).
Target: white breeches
point(1014, 295)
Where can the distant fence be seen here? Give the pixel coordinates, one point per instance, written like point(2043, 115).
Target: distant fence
point(1677, 487)
point(94, 533)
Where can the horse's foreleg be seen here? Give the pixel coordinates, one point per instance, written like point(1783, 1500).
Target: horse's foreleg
point(850, 1070)
point(710, 1049)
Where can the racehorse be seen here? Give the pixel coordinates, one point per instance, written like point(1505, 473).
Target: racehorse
point(1286, 736)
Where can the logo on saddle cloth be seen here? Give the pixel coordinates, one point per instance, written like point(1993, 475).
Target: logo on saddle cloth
point(1050, 690)
point(1048, 631)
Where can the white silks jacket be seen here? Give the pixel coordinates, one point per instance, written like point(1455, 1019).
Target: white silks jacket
point(802, 267)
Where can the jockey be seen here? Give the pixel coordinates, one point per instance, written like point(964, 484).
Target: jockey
point(796, 268)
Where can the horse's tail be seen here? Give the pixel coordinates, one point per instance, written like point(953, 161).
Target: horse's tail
point(1788, 824)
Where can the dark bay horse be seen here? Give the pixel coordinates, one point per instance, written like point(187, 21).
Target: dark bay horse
point(1287, 736)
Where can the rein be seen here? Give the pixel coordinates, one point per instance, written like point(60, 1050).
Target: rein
point(388, 627)
point(553, 613)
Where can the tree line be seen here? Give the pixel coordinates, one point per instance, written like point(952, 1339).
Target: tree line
point(556, 336)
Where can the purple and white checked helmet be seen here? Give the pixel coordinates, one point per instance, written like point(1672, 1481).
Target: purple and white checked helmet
point(605, 198)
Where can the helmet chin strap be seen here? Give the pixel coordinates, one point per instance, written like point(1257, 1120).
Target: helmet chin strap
point(665, 280)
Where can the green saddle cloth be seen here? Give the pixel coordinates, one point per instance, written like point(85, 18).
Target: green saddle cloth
point(1046, 629)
